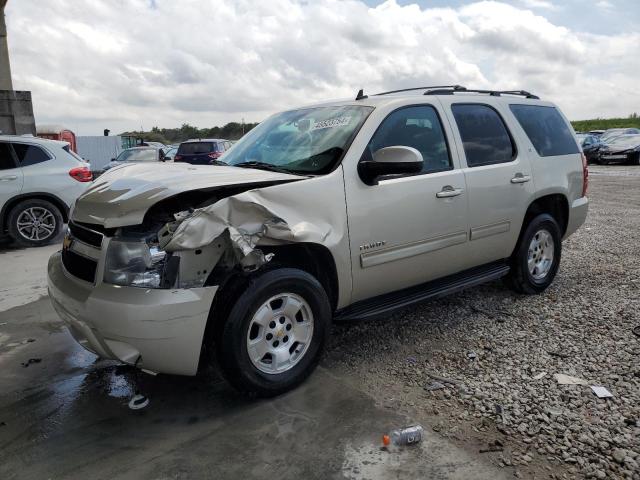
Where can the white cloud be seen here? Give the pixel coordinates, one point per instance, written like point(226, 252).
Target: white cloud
point(541, 4)
point(123, 64)
point(604, 4)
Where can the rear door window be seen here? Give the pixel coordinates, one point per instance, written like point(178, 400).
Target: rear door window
point(484, 135)
point(196, 148)
point(6, 157)
point(547, 130)
point(30, 154)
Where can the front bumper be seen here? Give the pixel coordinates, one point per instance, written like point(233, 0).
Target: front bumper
point(160, 329)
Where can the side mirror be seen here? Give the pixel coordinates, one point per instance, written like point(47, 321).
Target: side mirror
point(394, 160)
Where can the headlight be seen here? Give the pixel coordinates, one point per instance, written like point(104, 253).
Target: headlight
point(134, 263)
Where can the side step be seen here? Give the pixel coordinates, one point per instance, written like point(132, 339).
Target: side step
point(389, 302)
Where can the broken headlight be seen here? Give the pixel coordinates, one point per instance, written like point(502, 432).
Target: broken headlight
point(134, 263)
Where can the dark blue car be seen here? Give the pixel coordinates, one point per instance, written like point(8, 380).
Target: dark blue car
point(204, 151)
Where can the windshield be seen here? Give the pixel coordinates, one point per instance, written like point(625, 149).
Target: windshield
point(310, 140)
point(626, 140)
point(142, 155)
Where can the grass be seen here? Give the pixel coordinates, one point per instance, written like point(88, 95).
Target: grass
point(633, 121)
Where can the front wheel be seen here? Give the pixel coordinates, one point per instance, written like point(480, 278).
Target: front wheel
point(34, 222)
point(535, 262)
point(275, 333)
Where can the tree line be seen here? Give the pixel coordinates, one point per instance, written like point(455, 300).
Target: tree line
point(230, 131)
point(632, 121)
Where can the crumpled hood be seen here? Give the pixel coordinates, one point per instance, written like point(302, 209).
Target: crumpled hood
point(123, 195)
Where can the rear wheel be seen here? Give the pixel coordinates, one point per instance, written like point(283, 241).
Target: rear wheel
point(537, 257)
point(275, 333)
point(35, 222)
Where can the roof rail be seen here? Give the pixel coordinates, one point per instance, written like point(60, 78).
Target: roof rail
point(493, 93)
point(453, 87)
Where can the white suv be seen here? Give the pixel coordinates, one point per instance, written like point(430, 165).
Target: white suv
point(341, 210)
point(39, 181)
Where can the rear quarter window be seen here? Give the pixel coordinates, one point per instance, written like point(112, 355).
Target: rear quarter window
point(195, 148)
point(547, 130)
point(30, 154)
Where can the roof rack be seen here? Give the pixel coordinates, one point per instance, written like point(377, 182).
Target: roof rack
point(453, 87)
point(493, 93)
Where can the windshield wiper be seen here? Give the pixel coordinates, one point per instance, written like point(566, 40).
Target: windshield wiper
point(262, 166)
point(219, 163)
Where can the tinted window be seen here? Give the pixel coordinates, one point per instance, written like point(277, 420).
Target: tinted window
point(6, 157)
point(195, 148)
point(29, 154)
point(547, 130)
point(485, 137)
point(417, 127)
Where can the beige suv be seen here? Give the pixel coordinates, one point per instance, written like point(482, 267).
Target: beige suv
point(335, 211)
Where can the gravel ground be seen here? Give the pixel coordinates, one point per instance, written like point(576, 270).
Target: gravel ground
point(495, 354)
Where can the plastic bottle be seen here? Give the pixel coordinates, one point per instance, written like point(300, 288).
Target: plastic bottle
point(404, 436)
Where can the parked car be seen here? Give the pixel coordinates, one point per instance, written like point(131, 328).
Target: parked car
point(621, 149)
point(170, 153)
point(153, 144)
point(202, 151)
point(612, 133)
point(136, 155)
point(590, 145)
point(338, 211)
point(39, 181)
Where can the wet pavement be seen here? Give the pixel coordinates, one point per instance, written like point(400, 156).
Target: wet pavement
point(65, 415)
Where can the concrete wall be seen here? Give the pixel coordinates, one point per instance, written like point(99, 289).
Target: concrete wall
point(16, 113)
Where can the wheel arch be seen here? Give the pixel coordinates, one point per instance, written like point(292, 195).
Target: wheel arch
point(49, 197)
point(555, 204)
point(312, 258)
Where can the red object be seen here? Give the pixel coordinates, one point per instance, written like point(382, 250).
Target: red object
point(585, 175)
point(59, 133)
point(214, 156)
point(386, 440)
point(81, 174)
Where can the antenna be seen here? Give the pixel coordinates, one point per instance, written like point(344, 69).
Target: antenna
point(361, 95)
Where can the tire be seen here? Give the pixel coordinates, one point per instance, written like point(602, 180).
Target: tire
point(36, 210)
point(521, 278)
point(257, 317)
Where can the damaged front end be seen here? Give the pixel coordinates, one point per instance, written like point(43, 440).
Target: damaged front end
point(181, 250)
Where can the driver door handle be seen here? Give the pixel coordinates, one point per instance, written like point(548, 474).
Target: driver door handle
point(448, 191)
point(519, 178)
point(8, 178)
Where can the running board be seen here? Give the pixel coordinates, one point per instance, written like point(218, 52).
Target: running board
point(389, 302)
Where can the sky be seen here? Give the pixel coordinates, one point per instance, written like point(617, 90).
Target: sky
point(132, 64)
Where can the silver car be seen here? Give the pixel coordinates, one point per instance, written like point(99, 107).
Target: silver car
point(39, 182)
point(337, 211)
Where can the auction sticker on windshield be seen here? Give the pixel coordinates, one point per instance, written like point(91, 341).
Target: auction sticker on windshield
point(331, 123)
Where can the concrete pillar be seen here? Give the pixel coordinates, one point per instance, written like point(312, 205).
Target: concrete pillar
point(5, 66)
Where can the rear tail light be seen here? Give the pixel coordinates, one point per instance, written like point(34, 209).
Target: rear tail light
point(81, 174)
point(585, 175)
point(214, 156)
point(177, 158)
